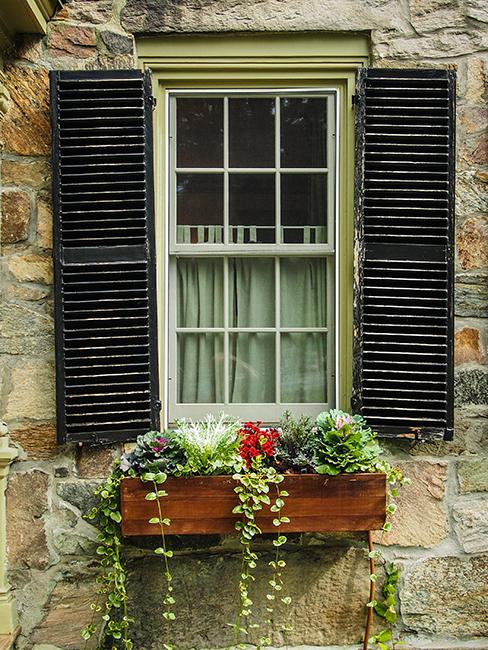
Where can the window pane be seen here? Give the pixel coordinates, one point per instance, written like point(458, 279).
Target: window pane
point(252, 208)
point(252, 292)
point(200, 368)
point(303, 292)
point(251, 132)
point(303, 368)
point(304, 208)
point(252, 368)
point(200, 292)
point(200, 132)
point(199, 211)
point(303, 132)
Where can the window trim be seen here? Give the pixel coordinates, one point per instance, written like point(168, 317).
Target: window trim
point(262, 61)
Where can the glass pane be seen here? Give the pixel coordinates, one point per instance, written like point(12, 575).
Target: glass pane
point(303, 132)
point(200, 292)
point(200, 368)
point(252, 292)
point(303, 292)
point(252, 368)
point(199, 210)
point(304, 208)
point(251, 132)
point(252, 208)
point(200, 132)
point(303, 368)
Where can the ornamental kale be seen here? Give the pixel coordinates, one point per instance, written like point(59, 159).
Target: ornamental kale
point(296, 444)
point(154, 452)
point(344, 444)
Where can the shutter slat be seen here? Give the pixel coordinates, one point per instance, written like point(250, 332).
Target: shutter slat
point(403, 371)
point(106, 343)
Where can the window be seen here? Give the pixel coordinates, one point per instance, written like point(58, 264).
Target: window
point(251, 258)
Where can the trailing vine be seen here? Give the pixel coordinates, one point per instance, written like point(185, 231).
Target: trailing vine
point(110, 606)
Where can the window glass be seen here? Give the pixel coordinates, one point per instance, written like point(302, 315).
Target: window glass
point(303, 140)
point(199, 132)
point(251, 132)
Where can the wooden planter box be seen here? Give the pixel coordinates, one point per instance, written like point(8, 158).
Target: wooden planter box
point(202, 505)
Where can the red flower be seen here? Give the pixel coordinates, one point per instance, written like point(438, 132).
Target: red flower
point(257, 443)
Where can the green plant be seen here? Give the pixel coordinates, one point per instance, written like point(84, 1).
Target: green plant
point(296, 444)
point(209, 446)
point(344, 444)
point(386, 608)
point(110, 607)
point(154, 452)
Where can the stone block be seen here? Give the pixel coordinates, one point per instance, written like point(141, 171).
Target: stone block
point(29, 173)
point(473, 475)
point(26, 126)
point(473, 119)
point(471, 386)
point(86, 11)
point(477, 10)
point(67, 612)
point(421, 519)
point(44, 222)
point(477, 80)
point(446, 596)
point(37, 440)
point(31, 268)
point(472, 243)
point(15, 217)
point(25, 331)
point(71, 40)
point(471, 300)
point(80, 494)
point(28, 292)
point(32, 394)
point(26, 504)
point(471, 526)
point(431, 15)
point(468, 346)
point(471, 197)
point(94, 462)
point(328, 587)
point(117, 43)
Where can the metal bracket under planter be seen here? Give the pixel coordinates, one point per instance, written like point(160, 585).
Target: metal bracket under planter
point(202, 505)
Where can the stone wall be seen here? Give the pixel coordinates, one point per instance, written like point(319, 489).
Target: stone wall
point(441, 540)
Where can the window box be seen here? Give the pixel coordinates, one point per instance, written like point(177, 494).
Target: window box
point(202, 505)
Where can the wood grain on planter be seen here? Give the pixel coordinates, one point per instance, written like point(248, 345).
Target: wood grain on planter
point(202, 505)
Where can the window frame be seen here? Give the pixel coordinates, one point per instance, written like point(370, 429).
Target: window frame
point(262, 61)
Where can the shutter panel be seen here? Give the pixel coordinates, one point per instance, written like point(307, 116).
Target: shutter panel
point(403, 373)
point(104, 258)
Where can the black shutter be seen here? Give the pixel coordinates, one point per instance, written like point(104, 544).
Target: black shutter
point(403, 371)
point(104, 258)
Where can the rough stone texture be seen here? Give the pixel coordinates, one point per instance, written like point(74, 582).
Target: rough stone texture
point(25, 330)
point(86, 11)
point(37, 440)
point(71, 40)
point(29, 292)
point(117, 43)
point(471, 519)
point(471, 386)
point(67, 613)
point(472, 243)
point(33, 173)
point(15, 217)
point(79, 494)
point(471, 300)
point(421, 518)
point(26, 504)
point(44, 222)
point(32, 394)
point(476, 81)
point(94, 462)
point(31, 268)
point(319, 580)
point(447, 596)
point(26, 128)
point(468, 347)
point(473, 475)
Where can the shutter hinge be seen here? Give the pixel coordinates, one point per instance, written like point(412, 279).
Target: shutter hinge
point(153, 101)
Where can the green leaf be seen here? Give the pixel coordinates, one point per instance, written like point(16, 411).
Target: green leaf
point(159, 550)
point(276, 522)
point(151, 496)
point(154, 520)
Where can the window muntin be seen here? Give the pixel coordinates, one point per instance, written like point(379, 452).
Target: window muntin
point(251, 243)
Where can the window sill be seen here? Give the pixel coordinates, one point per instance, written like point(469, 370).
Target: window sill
point(202, 505)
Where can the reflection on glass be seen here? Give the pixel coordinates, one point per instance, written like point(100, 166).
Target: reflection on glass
point(200, 292)
point(252, 208)
point(199, 132)
point(251, 132)
point(199, 208)
point(252, 368)
point(200, 359)
point(251, 292)
point(303, 285)
point(304, 208)
point(303, 132)
point(303, 368)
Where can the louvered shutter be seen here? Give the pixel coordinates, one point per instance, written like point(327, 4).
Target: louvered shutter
point(104, 259)
point(404, 227)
